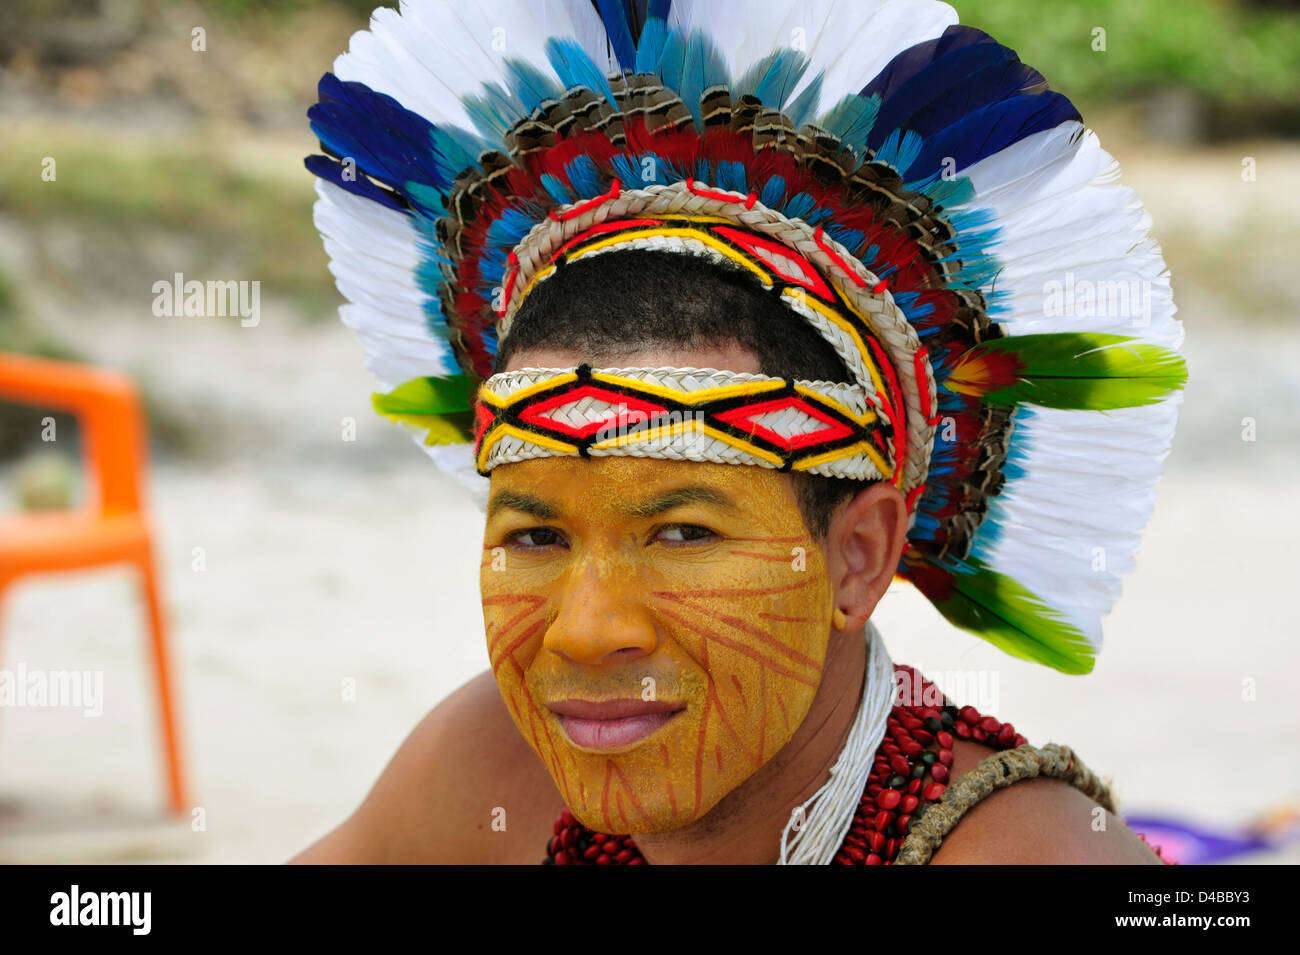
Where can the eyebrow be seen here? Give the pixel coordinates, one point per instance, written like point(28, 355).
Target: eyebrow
point(522, 502)
point(694, 494)
point(543, 510)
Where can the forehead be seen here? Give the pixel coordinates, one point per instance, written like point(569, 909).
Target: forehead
point(602, 488)
point(727, 356)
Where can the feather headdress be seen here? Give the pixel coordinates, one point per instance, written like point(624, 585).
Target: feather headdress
point(904, 183)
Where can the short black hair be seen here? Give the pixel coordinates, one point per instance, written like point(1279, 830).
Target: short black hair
point(613, 303)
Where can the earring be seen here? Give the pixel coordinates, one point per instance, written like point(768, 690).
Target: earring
point(838, 619)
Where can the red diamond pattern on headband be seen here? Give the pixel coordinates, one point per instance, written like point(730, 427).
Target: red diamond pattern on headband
point(593, 409)
point(803, 423)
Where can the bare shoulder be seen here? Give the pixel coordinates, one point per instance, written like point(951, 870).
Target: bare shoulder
point(462, 769)
point(1041, 821)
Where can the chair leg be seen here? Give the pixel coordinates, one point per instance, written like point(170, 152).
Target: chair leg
point(177, 801)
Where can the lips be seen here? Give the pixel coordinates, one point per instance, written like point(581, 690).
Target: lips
point(612, 724)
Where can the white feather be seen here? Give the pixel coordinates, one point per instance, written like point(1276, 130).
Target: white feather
point(849, 41)
point(1069, 527)
point(430, 55)
point(373, 256)
point(1064, 222)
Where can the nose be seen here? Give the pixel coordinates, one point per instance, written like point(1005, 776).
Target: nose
point(600, 616)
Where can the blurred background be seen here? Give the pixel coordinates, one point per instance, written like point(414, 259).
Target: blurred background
point(318, 576)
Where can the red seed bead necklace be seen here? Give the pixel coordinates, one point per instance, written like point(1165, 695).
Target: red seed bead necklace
point(911, 769)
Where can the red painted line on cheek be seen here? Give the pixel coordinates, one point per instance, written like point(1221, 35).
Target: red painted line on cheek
point(699, 758)
point(523, 638)
point(770, 639)
point(740, 648)
point(780, 619)
point(631, 795)
point(774, 558)
point(534, 602)
point(740, 692)
point(726, 722)
point(604, 796)
point(729, 592)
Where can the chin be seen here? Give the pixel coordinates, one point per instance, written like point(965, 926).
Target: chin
point(663, 784)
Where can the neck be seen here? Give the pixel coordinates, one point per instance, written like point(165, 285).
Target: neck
point(745, 827)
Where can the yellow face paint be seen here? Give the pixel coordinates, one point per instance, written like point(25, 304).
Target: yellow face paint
point(657, 629)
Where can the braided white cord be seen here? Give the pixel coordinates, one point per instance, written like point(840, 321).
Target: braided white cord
point(881, 312)
point(821, 823)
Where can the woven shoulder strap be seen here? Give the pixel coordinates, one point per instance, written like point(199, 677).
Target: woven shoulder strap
point(997, 771)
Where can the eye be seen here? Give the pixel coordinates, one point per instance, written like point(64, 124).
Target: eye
point(685, 534)
point(535, 537)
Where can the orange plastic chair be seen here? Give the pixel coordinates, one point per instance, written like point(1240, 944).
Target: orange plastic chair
point(111, 528)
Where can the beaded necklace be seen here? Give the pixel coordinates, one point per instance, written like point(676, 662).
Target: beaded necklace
point(910, 771)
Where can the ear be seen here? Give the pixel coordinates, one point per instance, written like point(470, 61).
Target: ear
point(863, 545)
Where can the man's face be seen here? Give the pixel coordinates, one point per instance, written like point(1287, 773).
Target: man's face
point(656, 628)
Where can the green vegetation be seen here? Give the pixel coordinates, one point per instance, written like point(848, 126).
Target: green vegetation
point(249, 219)
point(1226, 52)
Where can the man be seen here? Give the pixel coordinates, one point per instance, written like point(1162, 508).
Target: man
point(722, 406)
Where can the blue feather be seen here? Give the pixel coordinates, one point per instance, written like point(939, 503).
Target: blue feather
point(773, 194)
point(575, 68)
point(530, 84)
point(946, 192)
point(990, 130)
point(509, 230)
point(387, 142)
point(626, 169)
point(491, 268)
point(851, 120)
point(849, 238)
point(331, 171)
point(671, 60)
point(731, 175)
point(651, 45)
point(773, 77)
point(618, 27)
point(917, 57)
point(899, 149)
point(798, 206)
point(426, 198)
point(586, 179)
point(452, 151)
point(557, 190)
point(493, 112)
point(959, 84)
point(801, 108)
point(702, 67)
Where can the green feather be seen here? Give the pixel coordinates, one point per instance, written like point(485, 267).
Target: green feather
point(1081, 371)
point(443, 406)
point(1012, 618)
